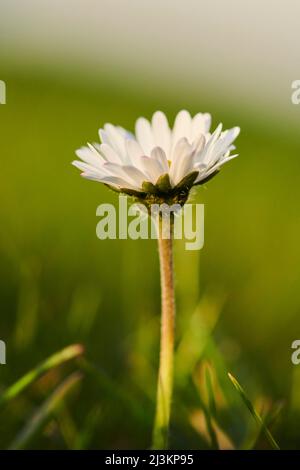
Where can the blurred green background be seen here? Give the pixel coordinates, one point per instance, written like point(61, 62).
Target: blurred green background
point(238, 298)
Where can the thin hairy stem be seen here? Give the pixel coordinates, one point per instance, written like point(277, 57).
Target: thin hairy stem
point(165, 375)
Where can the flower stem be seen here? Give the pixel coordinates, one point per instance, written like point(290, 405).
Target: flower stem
point(165, 374)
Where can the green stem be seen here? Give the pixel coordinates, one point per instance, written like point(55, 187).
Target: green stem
point(165, 374)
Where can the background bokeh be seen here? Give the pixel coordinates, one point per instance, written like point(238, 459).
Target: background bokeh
point(69, 67)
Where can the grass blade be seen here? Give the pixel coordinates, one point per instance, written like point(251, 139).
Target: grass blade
point(116, 392)
point(253, 412)
point(84, 438)
point(44, 412)
point(211, 410)
point(55, 360)
point(212, 407)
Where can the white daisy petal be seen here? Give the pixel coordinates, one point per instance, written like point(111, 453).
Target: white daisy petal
point(159, 155)
point(125, 161)
point(207, 154)
point(198, 144)
point(182, 162)
point(85, 167)
point(214, 168)
point(116, 140)
point(117, 181)
point(114, 169)
point(129, 173)
point(103, 136)
point(109, 154)
point(135, 175)
point(207, 122)
point(134, 151)
point(216, 134)
point(224, 160)
point(88, 156)
point(92, 176)
point(182, 128)
point(161, 131)
point(230, 135)
point(200, 124)
point(152, 169)
point(144, 135)
point(222, 146)
point(125, 133)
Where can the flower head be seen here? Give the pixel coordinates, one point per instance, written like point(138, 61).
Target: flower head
point(158, 162)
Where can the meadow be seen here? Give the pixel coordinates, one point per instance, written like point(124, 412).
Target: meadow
point(238, 299)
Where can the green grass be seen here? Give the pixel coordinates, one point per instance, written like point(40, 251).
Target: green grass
point(238, 299)
point(254, 413)
point(57, 359)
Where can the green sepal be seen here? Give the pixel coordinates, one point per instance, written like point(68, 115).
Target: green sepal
point(132, 192)
point(208, 178)
point(187, 181)
point(149, 187)
point(163, 183)
point(116, 190)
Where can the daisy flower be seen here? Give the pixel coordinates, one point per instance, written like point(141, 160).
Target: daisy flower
point(158, 161)
point(159, 165)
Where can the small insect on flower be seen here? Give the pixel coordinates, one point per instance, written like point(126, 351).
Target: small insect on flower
point(158, 164)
